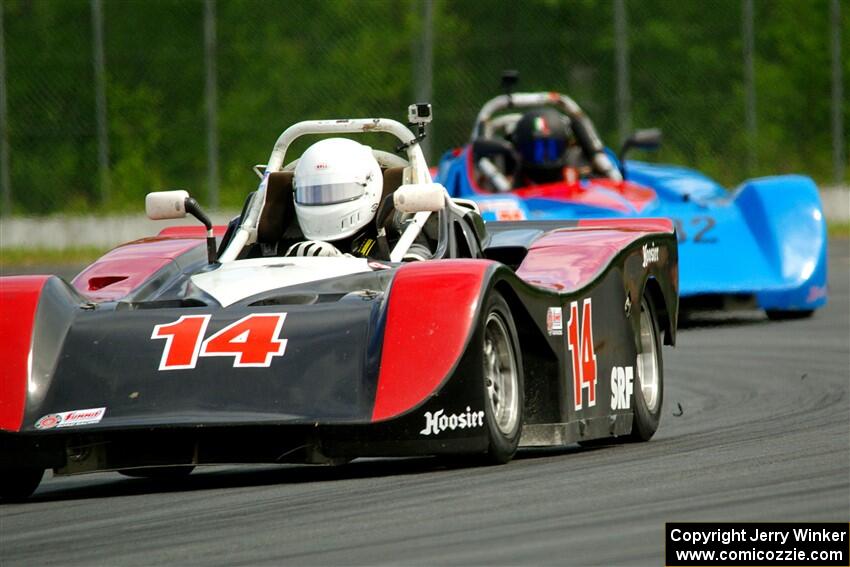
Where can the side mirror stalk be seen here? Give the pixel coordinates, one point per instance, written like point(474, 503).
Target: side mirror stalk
point(194, 209)
point(649, 139)
point(177, 204)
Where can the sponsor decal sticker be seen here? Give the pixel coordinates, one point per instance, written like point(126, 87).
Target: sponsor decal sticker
point(555, 321)
point(622, 386)
point(71, 418)
point(439, 421)
point(49, 421)
point(816, 292)
point(650, 254)
point(509, 215)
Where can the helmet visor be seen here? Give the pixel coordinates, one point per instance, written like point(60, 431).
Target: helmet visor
point(329, 193)
point(543, 151)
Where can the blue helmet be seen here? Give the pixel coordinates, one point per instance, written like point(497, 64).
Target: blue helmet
point(541, 137)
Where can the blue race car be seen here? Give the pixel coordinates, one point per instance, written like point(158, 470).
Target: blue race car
point(537, 156)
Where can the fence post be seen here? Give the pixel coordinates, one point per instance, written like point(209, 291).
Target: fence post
point(5, 176)
point(100, 100)
point(749, 85)
point(212, 105)
point(838, 155)
point(624, 97)
point(423, 61)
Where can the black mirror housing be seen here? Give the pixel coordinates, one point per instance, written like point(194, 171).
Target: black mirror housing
point(647, 139)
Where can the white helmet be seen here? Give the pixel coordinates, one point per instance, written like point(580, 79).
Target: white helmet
point(338, 185)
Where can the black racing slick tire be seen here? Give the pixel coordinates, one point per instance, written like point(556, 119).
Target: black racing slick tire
point(784, 315)
point(159, 473)
point(648, 391)
point(19, 483)
point(503, 380)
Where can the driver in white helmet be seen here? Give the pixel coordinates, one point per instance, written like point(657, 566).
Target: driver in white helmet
point(338, 185)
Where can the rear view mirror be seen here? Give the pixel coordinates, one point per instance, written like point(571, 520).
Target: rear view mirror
point(161, 205)
point(649, 139)
point(420, 197)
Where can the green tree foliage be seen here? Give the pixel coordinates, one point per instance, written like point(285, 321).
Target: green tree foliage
point(793, 76)
point(281, 62)
point(53, 149)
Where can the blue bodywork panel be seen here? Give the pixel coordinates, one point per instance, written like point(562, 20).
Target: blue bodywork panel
point(766, 239)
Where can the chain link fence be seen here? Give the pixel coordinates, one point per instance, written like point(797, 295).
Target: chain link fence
point(194, 92)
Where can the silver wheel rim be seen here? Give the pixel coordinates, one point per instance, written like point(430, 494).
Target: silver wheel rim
point(500, 375)
point(647, 359)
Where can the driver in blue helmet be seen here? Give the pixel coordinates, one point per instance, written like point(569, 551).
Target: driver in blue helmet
point(542, 137)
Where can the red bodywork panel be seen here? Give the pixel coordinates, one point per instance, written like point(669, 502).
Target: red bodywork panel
point(633, 225)
point(568, 259)
point(431, 314)
point(592, 193)
point(18, 304)
point(191, 231)
point(120, 271)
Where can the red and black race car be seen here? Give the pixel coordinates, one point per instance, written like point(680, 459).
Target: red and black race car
point(170, 352)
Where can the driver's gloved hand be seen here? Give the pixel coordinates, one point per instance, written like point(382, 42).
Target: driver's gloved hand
point(313, 248)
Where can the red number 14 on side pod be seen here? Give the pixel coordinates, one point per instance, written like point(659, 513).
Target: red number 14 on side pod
point(580, 342)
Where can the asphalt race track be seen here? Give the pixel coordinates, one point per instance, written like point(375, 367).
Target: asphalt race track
point(756, 427)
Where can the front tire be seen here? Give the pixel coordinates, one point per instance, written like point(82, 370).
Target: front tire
point(648, 392)
point(503, 381)
point(19, 483)
point(785, 315)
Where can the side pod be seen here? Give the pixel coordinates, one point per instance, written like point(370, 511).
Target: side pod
point(35, 314)
point(430, 317)
point(786, 217)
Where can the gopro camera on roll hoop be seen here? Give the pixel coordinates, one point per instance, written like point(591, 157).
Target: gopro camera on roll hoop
point(419, 113)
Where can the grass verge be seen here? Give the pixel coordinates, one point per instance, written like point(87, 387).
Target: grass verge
point(22, 257)
point(838, 229)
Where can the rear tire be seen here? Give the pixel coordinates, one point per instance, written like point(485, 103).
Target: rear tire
point(785, 315)
point(503, 381)
point(19, 483)
point(648, 392)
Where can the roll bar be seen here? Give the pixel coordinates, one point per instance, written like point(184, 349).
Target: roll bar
point(582, 126)
point(247, 231)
